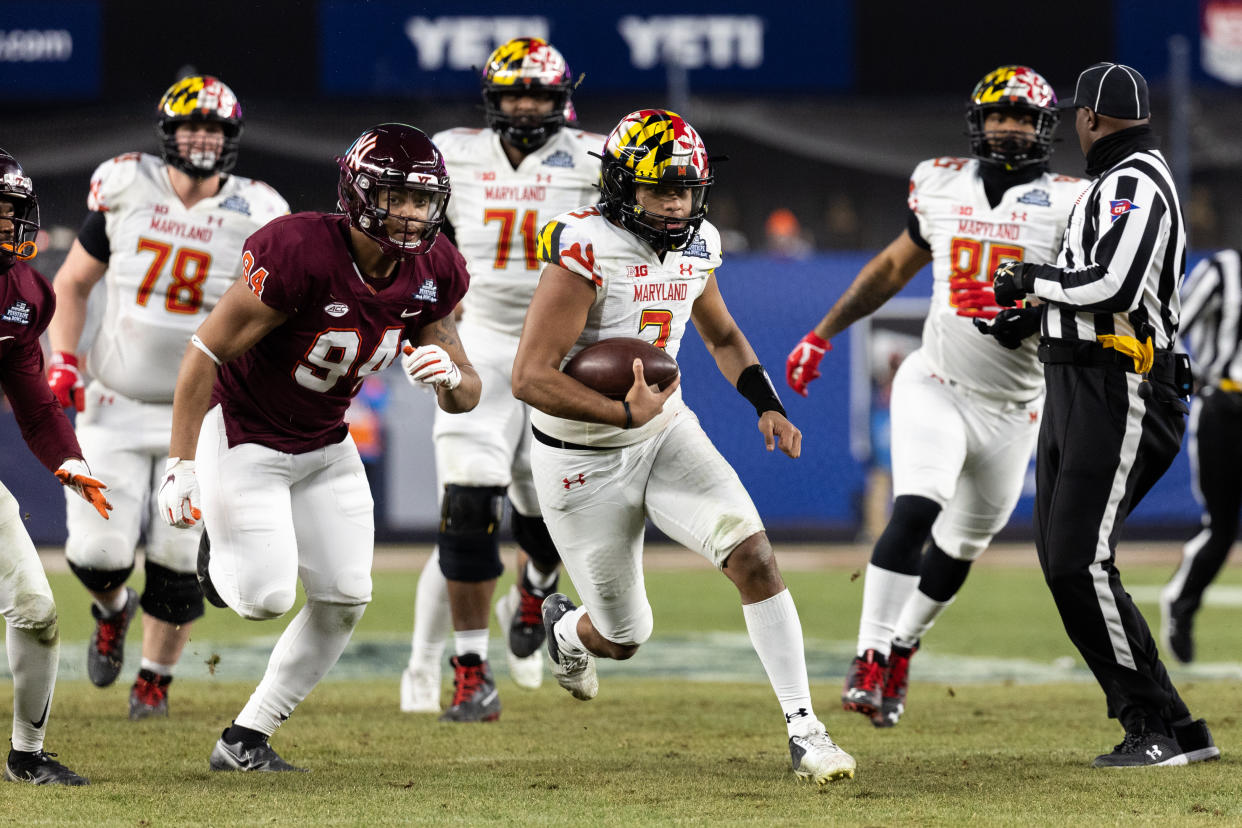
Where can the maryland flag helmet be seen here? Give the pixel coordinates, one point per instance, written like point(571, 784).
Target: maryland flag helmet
point(17, 240)
point(655, 146)
point(199, 98)
point(1013, 88)
point(526, 64)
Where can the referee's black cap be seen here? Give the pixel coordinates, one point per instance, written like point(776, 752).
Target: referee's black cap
point(1114, 90)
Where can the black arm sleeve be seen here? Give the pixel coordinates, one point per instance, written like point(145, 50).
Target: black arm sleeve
point(94, 236)
point(912, 227)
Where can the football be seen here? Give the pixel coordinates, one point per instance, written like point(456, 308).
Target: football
point(606, 366)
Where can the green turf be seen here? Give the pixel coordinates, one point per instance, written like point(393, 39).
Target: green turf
point(654, 748)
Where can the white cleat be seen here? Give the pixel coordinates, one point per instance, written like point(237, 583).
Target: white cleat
point(575, 673)
point(816, 757)
point(420, 692)
point(527, 672)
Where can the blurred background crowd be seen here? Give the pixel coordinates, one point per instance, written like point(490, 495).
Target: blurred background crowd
point(822, 111)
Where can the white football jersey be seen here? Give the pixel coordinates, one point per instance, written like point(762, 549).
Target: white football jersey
point(167, 267)
point(637, 295)
point(496, 212)
point(969, 237)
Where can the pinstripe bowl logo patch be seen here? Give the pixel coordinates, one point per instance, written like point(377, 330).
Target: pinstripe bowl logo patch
point(1120, 207)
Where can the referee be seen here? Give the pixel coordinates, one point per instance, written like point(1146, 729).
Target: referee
point(1113, 415)
point(1211, 329)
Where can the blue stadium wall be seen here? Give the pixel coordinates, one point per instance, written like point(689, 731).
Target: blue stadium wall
point(775, 301)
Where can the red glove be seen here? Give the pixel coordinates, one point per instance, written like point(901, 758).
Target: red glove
point(66, 381)
point(74, 474)
point(802, 364)
point(972, 298)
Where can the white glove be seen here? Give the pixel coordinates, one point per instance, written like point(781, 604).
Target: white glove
point(430, 365)
point(76, 475)
point(179, 493)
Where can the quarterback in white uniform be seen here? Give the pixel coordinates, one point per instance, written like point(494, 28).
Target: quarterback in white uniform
point(965, 407)
point(165, 235)
point(642, 264)
point(508, 181)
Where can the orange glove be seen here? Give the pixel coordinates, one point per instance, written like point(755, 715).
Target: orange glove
point(802, 364)
point(66, 380)
point(75, 474)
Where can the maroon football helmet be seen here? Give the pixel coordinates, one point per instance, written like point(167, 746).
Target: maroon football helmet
point(17, 231)
point(397, 161)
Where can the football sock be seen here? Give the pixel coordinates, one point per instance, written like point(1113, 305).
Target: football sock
point(306, 651)
point(776, 635)
point(248, 737)
point(110, 608)
point(156, 667)
point(566, 632)
point(432, 618)
point(884, 594)
point(33, 661)
point(470, 641)
point(538, 580)
point(917, 617)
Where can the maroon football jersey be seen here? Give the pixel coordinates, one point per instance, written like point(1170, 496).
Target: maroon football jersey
point(26, 307)
point(290, 391)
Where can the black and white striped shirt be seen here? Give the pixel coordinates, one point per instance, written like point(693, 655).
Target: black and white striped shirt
point(1124, 253)
point(1211, 316)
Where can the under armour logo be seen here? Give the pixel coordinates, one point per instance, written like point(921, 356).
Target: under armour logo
point(580, 480)
point(1016, 216)
point(1155, 753)
point(800, 713)
point(686, 269)
point(540, 178)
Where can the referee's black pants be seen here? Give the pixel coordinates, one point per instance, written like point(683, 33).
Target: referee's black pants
point(1101, 449)
point(1216, 454)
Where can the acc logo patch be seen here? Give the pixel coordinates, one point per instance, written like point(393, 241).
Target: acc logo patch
point(1120, 207)
point(1039, 198)
point(336, 309)
point(560, 158)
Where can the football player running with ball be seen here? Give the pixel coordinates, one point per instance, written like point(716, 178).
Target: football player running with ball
point(642, 264)
point(32, 636)
point(165, 235)
point(965, 407)
point(508, 180)
point(260, 449)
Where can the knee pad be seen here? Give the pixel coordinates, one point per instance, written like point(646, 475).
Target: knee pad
point(469, 522)
point(171, 596)
point(272, 604)
point(104, 550)
point(35, 613)
point(531, 533)
point(901, 544)
point(101, 580)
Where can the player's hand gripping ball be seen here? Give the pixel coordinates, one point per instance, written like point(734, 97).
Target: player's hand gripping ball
point(607, 366)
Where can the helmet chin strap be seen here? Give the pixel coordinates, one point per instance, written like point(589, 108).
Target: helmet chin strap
point(25, 251)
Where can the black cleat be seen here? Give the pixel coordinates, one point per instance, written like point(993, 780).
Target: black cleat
point(234, 756)
point(526, 632)
point(148, 697)
point(1195, 740)
point(896, 682)
point(39, 768)
point(1143, 750)
point(475, 698)
point(864, 684)
point(204, 579)
point(106, 652)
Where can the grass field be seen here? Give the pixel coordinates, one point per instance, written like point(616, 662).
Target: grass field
point(1003, 721)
